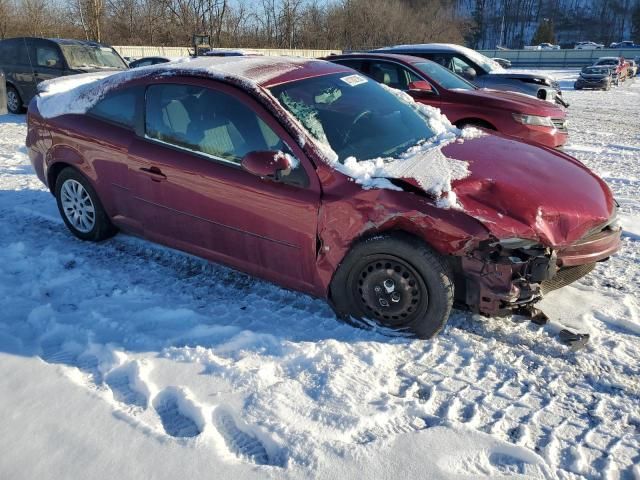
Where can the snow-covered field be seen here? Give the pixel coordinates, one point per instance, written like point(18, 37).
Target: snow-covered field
point(129, 360)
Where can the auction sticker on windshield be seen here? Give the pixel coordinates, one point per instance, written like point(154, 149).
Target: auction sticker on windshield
point(354, 80)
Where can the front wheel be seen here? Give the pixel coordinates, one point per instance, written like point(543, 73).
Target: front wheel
point(81, 208)
point(398, 282)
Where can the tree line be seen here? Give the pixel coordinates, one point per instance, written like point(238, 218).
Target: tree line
point(323, 24)
point(309, 24)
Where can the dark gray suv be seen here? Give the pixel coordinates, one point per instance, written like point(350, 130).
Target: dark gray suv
point(28, 61)
point(482, 71)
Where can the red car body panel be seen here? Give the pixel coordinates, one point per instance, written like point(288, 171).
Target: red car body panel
point(493, 107)
point(296, 236)
point(495, 191)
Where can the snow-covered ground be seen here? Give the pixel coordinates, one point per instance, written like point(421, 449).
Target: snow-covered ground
point(129, 360)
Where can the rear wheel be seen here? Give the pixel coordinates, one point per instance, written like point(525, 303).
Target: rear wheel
point(81, 208)
point(396, 281)
point(14, 102)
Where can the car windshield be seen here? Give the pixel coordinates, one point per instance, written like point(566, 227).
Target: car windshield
point(443, 76)
point(595, 71)
point(87, 56)
point(355, 116)
point(607, 62)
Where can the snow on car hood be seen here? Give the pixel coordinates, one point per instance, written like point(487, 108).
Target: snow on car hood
point(520, 190)
point(423, 165)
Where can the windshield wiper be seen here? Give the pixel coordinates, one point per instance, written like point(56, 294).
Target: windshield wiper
point(400, 148)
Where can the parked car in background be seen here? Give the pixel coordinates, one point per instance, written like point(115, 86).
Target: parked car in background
point(28, 61)
point(633, 68)
point(594, 77)
point(624, 44)
point(462, 102)
point(219, 157)
point(616, 65)
point(542, 46)
point(588, 46)
point(146, 61)
point(482, 71)
point(503, 62)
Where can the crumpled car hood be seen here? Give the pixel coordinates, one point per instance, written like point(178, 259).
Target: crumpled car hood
point(520, 190)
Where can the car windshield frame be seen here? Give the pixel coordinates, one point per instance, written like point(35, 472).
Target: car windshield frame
point(354, 115)
point(89, 56)
point(437, 73)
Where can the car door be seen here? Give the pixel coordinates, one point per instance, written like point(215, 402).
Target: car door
point(47, 60)
point(190, 192)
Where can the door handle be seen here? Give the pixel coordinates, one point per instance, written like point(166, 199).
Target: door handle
point(155, 172)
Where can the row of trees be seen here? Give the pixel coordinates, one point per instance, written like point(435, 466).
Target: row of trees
point(316, 24)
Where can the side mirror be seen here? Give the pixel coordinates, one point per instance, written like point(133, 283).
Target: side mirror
point(420, 86)
point(469, 73)
point(266, 164)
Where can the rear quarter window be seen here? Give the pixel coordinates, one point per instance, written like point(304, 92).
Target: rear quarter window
point(14, 52)
point(119, 107)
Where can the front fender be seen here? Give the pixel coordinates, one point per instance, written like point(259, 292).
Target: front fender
point(344, 220)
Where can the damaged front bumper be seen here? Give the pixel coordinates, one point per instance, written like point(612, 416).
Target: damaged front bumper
point(500, 277)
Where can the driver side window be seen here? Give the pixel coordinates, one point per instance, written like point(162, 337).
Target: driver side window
point(208, 122)
point(459, 66)
point(48, 57)
point(391, 74)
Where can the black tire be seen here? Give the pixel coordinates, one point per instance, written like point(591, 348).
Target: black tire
point(425, 295)
point(101, 228)
point(14, 101)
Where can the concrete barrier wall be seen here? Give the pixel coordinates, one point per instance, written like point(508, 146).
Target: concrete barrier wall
point(519, 58)
point(559, 58)
point(146, 51)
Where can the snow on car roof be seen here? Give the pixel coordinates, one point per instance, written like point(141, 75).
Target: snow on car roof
point(76, 94)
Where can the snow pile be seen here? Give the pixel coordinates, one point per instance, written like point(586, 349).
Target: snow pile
point(425, 163)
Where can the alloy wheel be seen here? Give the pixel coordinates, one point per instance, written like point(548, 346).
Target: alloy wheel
point(13, 102)
point(77, 206)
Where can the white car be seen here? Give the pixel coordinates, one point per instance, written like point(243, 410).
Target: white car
point(542, 46)
point(633, 68)
point(588, 46)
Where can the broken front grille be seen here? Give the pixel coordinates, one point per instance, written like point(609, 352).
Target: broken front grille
point(565, 276)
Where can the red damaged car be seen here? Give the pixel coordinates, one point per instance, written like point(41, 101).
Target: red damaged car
point(463, 103)
point(312, 176)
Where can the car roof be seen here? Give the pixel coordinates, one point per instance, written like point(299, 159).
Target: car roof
point(434, 47)
point(609, 58)
point(62, 41)
point(247, 71)
point(381, 55)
